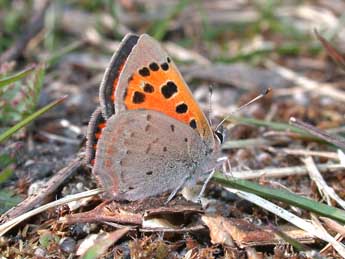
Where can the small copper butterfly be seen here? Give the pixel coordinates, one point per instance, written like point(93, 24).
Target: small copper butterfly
point(149, 135)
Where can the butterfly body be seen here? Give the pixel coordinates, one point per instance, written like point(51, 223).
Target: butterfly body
point(149, 136)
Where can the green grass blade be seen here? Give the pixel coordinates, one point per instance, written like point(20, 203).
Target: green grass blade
point(279, 126)
point(161, 27)
point(56, 56)
point(8, 200)
point(11, 79)
point(281, 195)
point(38, 82)
point(6, 173)
point(29, 119)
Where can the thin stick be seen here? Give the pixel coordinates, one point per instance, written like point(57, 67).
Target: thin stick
point(49, 188)
point(15, 221)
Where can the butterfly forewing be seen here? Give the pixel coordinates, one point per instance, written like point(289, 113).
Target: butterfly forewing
point(150, 80)
point(112, 74)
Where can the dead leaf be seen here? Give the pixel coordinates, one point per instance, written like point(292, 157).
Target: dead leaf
point(95, 247)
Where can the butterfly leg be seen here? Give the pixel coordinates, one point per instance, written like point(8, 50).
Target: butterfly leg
point(227, 169)
point(205, 184)
point(172, 195)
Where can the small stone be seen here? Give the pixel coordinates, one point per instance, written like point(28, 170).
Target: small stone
point(40, 252)
point(67, 245)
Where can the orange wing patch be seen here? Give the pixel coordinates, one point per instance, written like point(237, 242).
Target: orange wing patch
point(160, 87)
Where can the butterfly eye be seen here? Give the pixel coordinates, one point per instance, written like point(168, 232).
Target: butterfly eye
point(219, 134)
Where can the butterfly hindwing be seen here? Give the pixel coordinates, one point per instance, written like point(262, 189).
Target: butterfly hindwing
point(94, 132)
point(144, 153)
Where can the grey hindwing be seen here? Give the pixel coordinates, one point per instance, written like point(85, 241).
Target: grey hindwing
point(144, 153)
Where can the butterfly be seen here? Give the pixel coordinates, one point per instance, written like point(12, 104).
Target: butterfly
point(149, 135)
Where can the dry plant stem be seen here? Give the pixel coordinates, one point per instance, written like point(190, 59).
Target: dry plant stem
point(5, 227)
point(183, 54)
point(303, 152)
point(336, 227)
point(318, 133)
point(176, 51)
point(316, 222)
point(333, 225)
point(283, 172)
point(293, 219)
point(323, 187)
point(306, 83)
point(49, 188)
point(31, 30)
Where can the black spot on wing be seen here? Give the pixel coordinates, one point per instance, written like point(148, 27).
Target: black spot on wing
point(148, 88)
point(165, 66)
point(144, 71)
point(169, 89)
point(182, 108)
point(154, 66)
point(138, 97)
point(192, 123)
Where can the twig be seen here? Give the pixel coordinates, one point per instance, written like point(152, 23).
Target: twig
point(31, 30)
point(340, 142)
point(58, 138)
point(49, 188)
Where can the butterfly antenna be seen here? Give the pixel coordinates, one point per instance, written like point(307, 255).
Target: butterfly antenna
point(244, 106)
point(209, 112)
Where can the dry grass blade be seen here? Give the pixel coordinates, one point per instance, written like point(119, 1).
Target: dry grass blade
point(323, 89)
point(337, 141)
point(331, 51)
point(333, 225)
point(4, 228)
point(336, 227)
point(323, 187)
point(284, 171)
point(304, 152)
